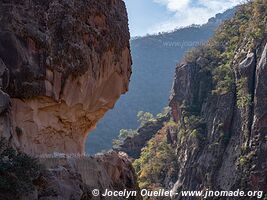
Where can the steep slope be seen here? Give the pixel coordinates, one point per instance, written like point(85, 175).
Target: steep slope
point(133, 144)
point(218, 102)
point(63, 64)
point(153, 58)
point(66, 177)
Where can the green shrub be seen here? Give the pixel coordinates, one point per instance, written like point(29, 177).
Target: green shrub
point(171, 123)
point(243, 161)
point(144, 117)
point(243, 98)
point(244, 31)
point(124, 133)
point(223, 78)
point(17, 171)
point(198, 135)
point(164, 113)
point(195, 133)
point(156, 161)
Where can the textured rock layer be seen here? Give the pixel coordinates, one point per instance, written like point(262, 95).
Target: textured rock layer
point(77, 179)
point(226, 146)
point(63, 64)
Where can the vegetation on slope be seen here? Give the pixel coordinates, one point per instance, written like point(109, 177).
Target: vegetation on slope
point(157, 161)
point(144, 118)
point(17, 172)
point(230, 45)
point(154, 59)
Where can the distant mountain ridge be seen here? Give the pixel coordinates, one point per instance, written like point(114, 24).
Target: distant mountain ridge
point(154, 58)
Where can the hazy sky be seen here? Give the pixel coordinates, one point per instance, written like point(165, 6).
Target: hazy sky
point(153, 16)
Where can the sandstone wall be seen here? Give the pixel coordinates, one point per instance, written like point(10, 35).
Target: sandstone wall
point(63, 65)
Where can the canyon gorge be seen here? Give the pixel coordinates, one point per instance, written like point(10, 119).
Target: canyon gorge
point(65, 63)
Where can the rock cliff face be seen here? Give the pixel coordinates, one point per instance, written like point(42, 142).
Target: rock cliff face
point(154, 58)
point(63, 64)
point(76, 178)
point(226, 149)
point(219, 104)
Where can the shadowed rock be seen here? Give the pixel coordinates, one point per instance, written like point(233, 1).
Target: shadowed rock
point(64, 64)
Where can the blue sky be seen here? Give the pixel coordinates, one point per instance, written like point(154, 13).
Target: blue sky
point(153, 16)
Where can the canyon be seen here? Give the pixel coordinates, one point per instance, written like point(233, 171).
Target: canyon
point(154, 59)
point(65, 63)
point(216, 137)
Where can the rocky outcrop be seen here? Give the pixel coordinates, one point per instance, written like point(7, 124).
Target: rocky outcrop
point(218, 102)
point(75, 178)
point(63, 64)
point(133, 145)
point(61, 176)
point(113, 171)
point(222, 135)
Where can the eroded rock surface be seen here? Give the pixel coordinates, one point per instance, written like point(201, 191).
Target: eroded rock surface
point(225, 147)
point(63, 64)
point(113, 171)
point(75, 178)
